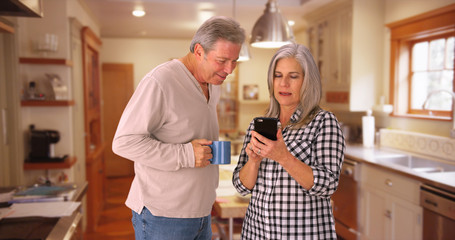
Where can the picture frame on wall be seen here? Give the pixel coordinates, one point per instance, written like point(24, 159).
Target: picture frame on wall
point(250, 92)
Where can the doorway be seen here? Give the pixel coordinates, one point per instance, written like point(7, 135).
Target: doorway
point(118, 87)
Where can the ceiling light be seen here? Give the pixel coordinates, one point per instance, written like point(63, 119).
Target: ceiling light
point(138, 13)
point(271, 29)
point(244, 54)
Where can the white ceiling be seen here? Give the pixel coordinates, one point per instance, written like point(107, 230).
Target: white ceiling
point(181, 18)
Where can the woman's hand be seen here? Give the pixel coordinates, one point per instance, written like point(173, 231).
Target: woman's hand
point(262, 147)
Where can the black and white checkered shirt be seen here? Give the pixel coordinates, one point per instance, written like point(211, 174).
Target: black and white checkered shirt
point(280, 208)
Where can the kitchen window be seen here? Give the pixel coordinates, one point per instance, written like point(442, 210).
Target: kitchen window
point(431, 69)
point(422, 61)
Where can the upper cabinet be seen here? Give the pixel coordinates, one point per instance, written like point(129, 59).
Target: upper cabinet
point(345, 38)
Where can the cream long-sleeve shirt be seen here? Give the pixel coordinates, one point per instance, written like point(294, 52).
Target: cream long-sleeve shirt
point(166, 112)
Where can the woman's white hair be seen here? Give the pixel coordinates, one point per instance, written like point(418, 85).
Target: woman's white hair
point(311, 91)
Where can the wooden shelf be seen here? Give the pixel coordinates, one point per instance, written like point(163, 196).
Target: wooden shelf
point(54, 61)
point(47, 103)
point(69, 162)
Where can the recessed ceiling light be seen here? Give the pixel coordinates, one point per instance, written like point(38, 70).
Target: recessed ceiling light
point(138, 13)
point(291, 23)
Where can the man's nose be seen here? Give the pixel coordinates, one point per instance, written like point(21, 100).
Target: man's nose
point(229, 67)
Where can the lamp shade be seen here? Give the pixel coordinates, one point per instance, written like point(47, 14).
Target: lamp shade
point(244, 54)
point(271, 29)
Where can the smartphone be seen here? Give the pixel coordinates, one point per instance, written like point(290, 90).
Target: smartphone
point(267, 127)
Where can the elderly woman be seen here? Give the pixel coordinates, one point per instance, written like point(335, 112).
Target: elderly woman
point(291, 179)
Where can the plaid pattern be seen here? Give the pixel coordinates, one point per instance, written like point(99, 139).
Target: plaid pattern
point(280, 208)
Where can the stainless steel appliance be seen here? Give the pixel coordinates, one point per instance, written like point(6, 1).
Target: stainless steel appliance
point(438, 213)
point(345, 201)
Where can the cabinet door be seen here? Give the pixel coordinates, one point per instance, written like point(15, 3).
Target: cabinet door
point(386, 216)
point(94, 148)
point(330, 43)
point(373, 224)
point(405, 221)
point(95, 191)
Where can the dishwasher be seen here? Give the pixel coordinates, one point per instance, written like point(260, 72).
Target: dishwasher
point(438, 213)
point(344, 200)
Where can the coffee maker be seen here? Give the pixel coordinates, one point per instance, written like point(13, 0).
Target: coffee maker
point(42, 145)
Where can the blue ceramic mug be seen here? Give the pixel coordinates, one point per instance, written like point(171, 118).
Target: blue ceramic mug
point(221, 151)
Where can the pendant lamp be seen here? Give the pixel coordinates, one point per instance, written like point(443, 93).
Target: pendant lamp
point(271, 30)
point(244, 54)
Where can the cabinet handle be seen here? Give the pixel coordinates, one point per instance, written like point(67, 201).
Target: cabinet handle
point(5, 127)
point(428, 201)
point(388, 182)
point(388, 214)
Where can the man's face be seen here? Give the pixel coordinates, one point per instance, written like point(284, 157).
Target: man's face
point(217, 64)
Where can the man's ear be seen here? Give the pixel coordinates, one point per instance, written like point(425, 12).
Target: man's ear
point(198, 51)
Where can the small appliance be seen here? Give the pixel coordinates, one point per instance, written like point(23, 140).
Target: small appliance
point(42, 145)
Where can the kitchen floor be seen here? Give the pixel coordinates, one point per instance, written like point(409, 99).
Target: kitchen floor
point(115, 220)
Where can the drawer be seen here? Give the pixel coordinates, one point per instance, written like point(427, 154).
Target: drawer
point(390, 182)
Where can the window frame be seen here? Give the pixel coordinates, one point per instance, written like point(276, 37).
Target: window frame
point(403, 34)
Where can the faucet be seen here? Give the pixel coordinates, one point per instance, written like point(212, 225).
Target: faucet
point(452, 132)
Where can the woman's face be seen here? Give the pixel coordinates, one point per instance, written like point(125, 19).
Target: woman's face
point(287, 81)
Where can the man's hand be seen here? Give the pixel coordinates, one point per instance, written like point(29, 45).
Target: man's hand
point(202, 152)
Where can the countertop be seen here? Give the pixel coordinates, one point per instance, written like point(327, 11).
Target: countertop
point(358, 153)
point(44, 228)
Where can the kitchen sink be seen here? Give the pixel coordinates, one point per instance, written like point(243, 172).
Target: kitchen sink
point(417, 164)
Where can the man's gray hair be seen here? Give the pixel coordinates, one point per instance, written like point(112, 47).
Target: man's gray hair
point(215, 28)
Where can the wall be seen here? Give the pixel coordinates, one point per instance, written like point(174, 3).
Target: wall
point(144, 54)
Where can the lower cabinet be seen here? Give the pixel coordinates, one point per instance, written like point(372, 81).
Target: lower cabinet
point(389, 206)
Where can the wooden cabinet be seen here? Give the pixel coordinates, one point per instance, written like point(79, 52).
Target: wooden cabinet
point(330, 43)
point(389, 205)
point(345, 38)
point(94, 146)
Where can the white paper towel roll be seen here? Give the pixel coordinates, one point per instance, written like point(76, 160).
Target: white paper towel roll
point(368, 129)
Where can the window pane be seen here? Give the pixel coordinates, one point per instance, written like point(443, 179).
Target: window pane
point(420, 56)
point(441, 101)
point(424, 83)
point(437, 50)
point(420, 89)
point(449, 53)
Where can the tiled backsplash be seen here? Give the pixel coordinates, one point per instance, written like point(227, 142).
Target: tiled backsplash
point(424, 144)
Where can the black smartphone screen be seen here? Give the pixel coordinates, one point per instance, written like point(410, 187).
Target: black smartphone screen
point(267, 127)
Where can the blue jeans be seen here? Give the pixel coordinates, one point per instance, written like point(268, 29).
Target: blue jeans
point(150, 227)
